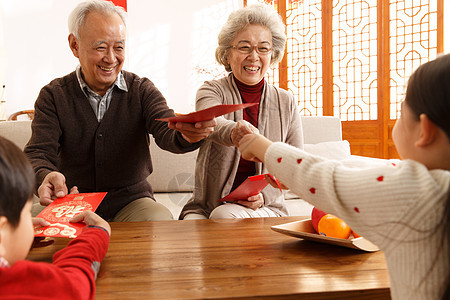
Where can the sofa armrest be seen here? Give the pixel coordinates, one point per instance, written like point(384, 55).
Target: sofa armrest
point(19, 132)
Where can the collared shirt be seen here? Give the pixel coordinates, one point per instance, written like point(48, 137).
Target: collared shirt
point(100, 104)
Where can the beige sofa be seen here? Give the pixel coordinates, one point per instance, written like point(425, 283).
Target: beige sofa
point(173, 176)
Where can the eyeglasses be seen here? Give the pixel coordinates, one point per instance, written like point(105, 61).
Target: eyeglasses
point(246, 48)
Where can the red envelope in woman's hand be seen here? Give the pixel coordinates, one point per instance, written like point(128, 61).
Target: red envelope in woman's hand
point(207, 113)
point(251, 186)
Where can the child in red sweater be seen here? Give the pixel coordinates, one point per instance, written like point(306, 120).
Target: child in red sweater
point(74, 269)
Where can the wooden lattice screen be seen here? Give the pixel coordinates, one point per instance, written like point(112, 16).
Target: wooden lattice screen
point(352, 58)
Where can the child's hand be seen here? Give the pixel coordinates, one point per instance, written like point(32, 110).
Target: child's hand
point(39, 222)
point(253, 147)
point(91, 218)
point(39, 242)
point(241, 129)
point(274, 182)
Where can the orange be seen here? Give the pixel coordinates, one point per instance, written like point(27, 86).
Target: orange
point(332, 226)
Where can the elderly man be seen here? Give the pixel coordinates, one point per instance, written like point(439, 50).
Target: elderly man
point(91, 127)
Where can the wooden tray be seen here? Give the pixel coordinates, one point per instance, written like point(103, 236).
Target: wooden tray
point(304, 229)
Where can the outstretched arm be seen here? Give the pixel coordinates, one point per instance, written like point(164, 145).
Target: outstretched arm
point(194, 132)
point(253, 147)
point(241, 129)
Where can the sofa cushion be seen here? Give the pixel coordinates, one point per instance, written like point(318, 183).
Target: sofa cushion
point(321, 129)
point(171, 172)
point(332, 150)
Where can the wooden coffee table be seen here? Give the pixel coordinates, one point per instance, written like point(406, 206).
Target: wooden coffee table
point(240, 259)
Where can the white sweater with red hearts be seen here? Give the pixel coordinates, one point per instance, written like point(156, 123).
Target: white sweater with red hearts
point(397, 206)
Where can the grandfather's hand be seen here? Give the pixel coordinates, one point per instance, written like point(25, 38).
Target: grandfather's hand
point(194, 132)
point(253, 202)
point(54, 186)
point(240, 129)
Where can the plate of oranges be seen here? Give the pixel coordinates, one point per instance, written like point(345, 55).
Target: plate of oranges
point(328, 229)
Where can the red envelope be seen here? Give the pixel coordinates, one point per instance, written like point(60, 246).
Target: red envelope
point(61, 210)
point(251, 186)
point(208, 113)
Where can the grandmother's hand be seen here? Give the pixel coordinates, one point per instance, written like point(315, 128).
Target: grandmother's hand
point(240, 129)
point(253, 202)
point(194, 132)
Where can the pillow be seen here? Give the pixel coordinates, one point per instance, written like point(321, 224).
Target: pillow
point(332, 150)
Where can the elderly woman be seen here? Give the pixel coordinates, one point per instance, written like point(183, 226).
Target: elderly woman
point(250, 42)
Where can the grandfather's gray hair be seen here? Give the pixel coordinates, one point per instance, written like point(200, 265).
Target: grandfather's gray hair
point(78, 16)
point(256, 14)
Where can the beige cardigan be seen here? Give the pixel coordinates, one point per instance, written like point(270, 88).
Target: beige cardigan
point(218, 159)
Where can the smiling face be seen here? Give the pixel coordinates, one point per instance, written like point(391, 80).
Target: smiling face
point(250, 68)
point(100, 50)
point(16, 241)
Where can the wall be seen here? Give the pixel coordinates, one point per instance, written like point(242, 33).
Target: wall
point(170, 42)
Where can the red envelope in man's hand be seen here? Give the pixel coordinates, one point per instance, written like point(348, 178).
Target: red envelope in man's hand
point(251, 186)
point(207, 113)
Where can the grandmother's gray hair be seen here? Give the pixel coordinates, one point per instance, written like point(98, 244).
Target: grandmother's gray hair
point(256, 14)
point(78, 16)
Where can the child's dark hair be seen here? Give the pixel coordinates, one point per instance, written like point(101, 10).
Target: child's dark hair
point(16, 181)
point(428, 93)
